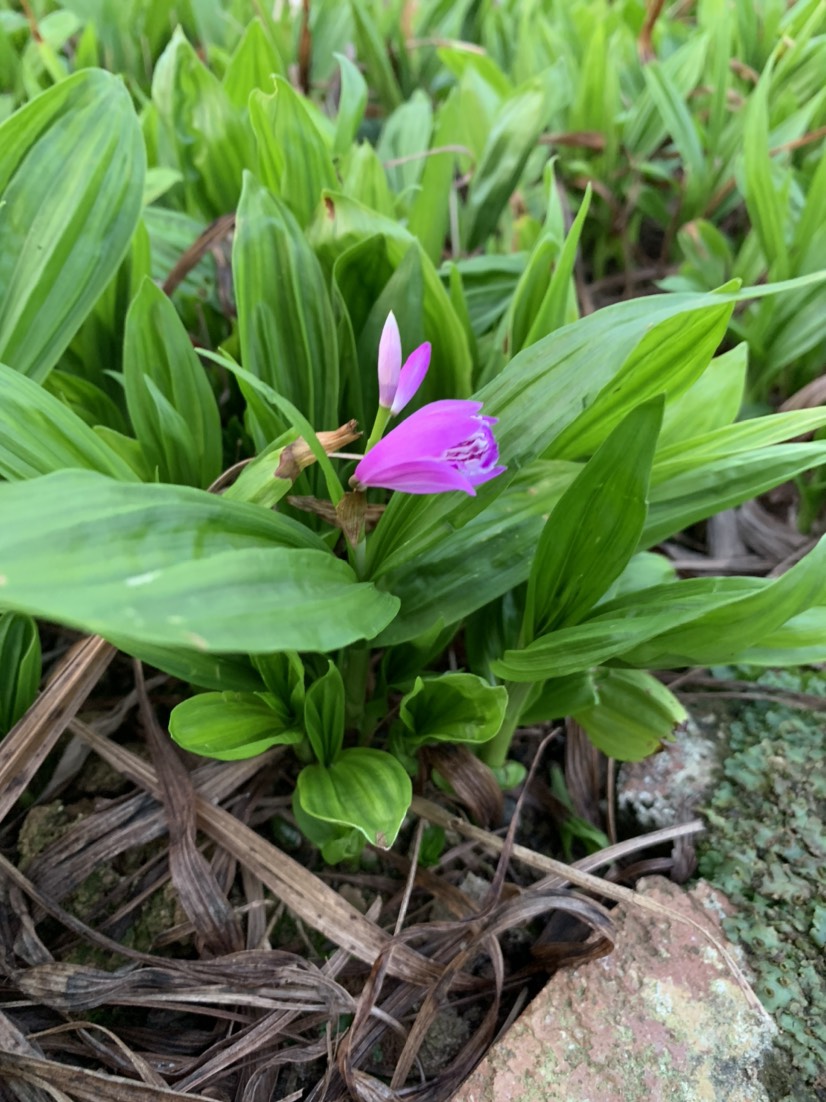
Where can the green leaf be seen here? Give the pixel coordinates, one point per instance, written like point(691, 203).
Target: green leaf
point(495, 549)
point(293, 157)
point(363, 788)
point(167, 565)
point(559, 697)
point(801, 641)
point(373, 54)
point(719, 484)
point(71, 184)
point(255, 60)
point(405, 137)
point(595, 527)
point(456, 708)
point(624, 624)
point(722, 634)
point(765, 201)
point(40, 434)
point(351, 104)
point(285, 318)
point(168, 395)
point(667, 361)
point(201, 132)
point(513, 136)
point(671, 105)
point(710, 403)
point(231, 726)
point(546, 303)
point(324, 715)
point(19, 667)
point(731, 440)
point(430, 209)
point(257, 388)
point(337, 843)
point(230, 672)
point(634, 715)
point(347, 224)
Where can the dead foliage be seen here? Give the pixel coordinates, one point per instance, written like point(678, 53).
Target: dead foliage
point(260, 979)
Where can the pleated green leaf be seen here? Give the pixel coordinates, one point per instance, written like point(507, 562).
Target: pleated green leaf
point(253, 64)
point(721, 635)
point(493, 552)
point(595, 528)
point(19, 667)
point(168, 395)
point(293, 158)
point(351, 104)
point(71, 185)
point(455, 708)
point(516, 127)
point(633, 716)
point(169, 565)
point(285, 318)
point(723, 482)
point(801, 641)
point(363, 788)
point(40, 434)
point(231, 726)
point(201, 132)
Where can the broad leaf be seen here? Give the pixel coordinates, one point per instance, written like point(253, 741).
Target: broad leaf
point(495, 549)
point(231, 726)
point(363, 788)
point(168, 395)
point(170, 566)
point(324, 715)
point(721, 635)
point(201, 132)
point(19, 667)
point(595, 527)
point(634, 714)
point(40, 434)
point(285, 319)
point(293, 157)
point(71, 184)
point(455, 708)
point(510, 141)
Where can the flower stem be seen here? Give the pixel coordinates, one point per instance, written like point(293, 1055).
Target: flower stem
point(495, 752)
point(355, 669)
point(379, 425)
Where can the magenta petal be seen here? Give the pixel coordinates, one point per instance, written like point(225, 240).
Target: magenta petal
point(418, 476)
point(433, 428)
point(411, 377)
point(390, 361)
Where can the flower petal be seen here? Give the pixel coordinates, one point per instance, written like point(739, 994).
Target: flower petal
point(429, 431)
point(411, 376)
point(417, 476)
point(390, 361)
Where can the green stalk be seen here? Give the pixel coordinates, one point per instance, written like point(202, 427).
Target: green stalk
point(355, 666)
point(379, 425)
point(495, 752)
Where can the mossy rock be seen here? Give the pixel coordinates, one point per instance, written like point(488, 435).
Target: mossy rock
point(766, 849)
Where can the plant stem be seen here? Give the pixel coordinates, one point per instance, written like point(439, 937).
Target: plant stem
point(355, 665)
point(379, 425)
point(495, 752)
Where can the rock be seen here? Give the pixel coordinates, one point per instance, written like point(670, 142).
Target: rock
point(662, 1019)
point(671, 785)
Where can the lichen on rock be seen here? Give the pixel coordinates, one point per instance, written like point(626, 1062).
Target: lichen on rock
point(766, 849)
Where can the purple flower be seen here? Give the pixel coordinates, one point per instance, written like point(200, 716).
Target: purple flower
point(443, 446)
point(398, 383)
